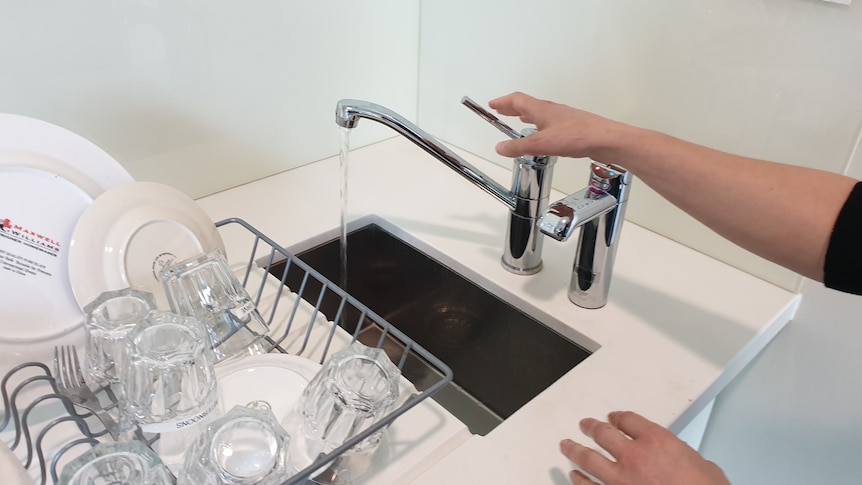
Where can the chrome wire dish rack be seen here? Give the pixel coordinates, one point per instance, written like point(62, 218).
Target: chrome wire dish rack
point(45, 430)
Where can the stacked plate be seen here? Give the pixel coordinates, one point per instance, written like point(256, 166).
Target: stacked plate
point(73, 223)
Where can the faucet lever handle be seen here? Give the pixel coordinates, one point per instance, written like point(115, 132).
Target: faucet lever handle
point(487, 116)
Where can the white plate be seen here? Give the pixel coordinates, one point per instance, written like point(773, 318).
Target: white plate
point(50, 176)
point(278, 379)
point(130, 233)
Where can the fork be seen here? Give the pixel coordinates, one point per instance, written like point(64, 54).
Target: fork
point(70, 383)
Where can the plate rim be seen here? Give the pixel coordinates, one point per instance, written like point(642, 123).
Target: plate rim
point(303, 367)
point(271, 359)
point(104, 213)
point(38, 145)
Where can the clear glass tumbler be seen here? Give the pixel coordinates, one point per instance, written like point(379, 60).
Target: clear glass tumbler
point(127, 462)
point(204, 287)
point(357, 387)
point(168, 379)
point(109, 319)
point(247, 445)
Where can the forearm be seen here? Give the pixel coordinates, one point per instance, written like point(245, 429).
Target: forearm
point(783, 213)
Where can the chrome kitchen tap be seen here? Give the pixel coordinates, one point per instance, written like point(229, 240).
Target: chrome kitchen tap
point(598, 210)
point(531, 178)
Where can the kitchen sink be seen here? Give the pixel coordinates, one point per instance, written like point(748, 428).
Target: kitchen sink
point(501, 357)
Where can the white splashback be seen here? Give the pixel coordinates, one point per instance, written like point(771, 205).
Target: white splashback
point(775, 79)
point(206, 95)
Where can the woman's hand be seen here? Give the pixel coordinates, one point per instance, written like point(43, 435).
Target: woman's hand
point(643, 452)
point(562, 130)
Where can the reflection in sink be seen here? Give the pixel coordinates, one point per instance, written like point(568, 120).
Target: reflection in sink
point(501, 358)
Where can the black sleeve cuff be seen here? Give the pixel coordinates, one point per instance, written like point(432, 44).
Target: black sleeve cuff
point(843, 267)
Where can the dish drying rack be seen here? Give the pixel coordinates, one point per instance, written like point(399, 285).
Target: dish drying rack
point(297, 326)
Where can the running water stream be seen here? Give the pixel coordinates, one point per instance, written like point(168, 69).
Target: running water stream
point(343, 155)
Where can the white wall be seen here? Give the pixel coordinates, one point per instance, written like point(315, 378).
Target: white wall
point(776, 79)
point(206, 95)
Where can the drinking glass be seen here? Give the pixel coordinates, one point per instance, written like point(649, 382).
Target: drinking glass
point(124, 462)
point(247, 445)
point(357, 387)
point(204, 287)
point(109, 318)
point(168, 378)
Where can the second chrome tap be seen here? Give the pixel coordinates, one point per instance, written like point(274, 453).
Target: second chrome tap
point(598, 210)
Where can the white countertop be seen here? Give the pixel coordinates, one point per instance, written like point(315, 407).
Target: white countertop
point(678, 327)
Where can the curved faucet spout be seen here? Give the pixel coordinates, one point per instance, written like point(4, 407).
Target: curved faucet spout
point(349, 111)
point(531, 178)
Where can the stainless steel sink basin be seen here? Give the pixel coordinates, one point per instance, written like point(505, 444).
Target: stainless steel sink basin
point(501, 357)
